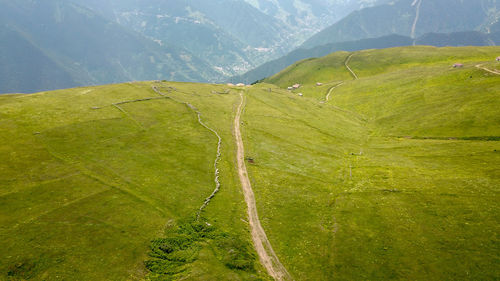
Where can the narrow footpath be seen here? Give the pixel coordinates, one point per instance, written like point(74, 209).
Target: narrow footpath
point(267, 256)
point(331, 90)
point(348, 68)
point(480, 66)
point(346, 63)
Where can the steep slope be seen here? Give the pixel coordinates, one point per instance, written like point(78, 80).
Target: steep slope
point(308, 17)
point(24, 68)
point(231, 36)
point(91, 49)
point(401, 17)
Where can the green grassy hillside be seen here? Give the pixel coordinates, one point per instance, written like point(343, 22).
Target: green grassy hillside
point(407, 190)
point(84, 191)
point(394, 177)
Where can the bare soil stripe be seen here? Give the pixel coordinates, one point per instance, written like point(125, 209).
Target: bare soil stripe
point(480, 66)
point(348, 68)
point(265, 251)
point(331, 90)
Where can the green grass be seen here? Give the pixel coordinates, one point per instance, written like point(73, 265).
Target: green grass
point(395, 178)
point(408, 189)
point(83, 191)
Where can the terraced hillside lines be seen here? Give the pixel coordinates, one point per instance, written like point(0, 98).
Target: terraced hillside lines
point(348, 68)
point(217, 157)
point(262, 245)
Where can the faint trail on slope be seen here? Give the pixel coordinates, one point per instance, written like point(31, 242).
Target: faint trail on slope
point(417, 16)
point(331, 89)
point(346, 63)
point(267, 256)
point(480, 66)
point(217, 157)
point(129, 116)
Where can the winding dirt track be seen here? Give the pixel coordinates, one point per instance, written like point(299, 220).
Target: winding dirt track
point(267, 256)
point(331, 90)
point(480, 66)
point(348, 68)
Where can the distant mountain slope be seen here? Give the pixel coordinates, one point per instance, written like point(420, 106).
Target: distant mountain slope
point(86, 48)
point(467, 38)
point(410, 18)
point(310, 16)
point(25, 68)
point(274, 66)
point(232, 36)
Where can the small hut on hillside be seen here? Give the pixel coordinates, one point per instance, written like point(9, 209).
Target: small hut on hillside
point(319, 84)
point(458, 65)
point(498, 59)
point(296, 86)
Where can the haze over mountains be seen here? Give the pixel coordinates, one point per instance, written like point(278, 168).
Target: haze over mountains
point(65, 44)
point(87, 42)
point(411, 18)
point(397, 23)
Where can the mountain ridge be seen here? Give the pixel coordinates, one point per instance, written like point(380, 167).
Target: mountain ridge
point(456, 39)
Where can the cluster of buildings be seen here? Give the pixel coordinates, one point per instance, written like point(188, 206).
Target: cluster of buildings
point(294, 87)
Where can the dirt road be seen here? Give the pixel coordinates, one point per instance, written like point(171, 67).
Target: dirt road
point(331, 90)
point(480, 66)
point(267, 256)
point(348, 68)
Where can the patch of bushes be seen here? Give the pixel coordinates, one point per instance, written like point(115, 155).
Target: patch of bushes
point(171, 255)
point(235, 253)
point(22, 269)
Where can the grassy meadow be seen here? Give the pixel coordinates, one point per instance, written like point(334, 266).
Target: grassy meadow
point(84, 191)
point(396, 177)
